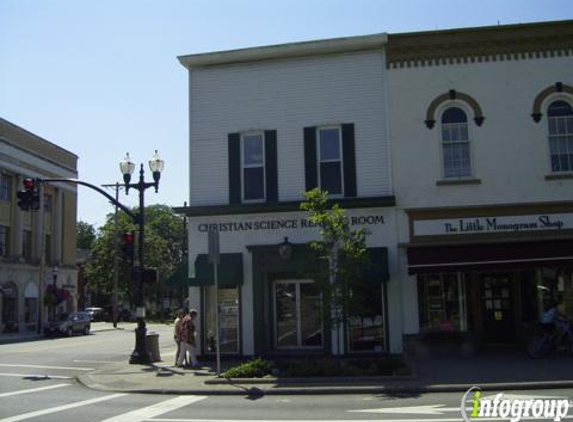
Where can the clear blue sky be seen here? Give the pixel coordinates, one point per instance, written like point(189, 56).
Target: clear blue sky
point(101, 77)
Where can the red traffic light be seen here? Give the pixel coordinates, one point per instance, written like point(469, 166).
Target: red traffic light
point(29, 184)
point(128, 237)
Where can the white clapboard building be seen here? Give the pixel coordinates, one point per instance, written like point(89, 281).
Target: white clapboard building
point(415, 135)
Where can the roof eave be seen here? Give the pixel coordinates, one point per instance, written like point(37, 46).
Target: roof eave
point(309, 48)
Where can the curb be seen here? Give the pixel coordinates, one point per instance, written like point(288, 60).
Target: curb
point(257, 390)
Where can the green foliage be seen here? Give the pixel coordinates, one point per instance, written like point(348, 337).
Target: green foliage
point(342, 249)
point(163, 249)
point(256, 368)
point(86, 235)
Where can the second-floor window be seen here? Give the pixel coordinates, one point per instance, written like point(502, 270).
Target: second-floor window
point(455, 144)
point(47, 203)
point(5, 187)
point(253, 166)
point(27, 244)
point(330, 160)
point(560, 121)
point(4, 240)
point(253, 171)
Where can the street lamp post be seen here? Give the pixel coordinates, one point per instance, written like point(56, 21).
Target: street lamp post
point(140, 355)
point(54, 280)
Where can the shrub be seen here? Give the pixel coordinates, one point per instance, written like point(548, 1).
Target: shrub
point(256, 368)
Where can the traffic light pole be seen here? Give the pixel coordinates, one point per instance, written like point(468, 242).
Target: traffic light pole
point(140, 355)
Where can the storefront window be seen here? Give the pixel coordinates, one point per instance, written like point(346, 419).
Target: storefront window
point(298, 322)
point(228, 320)
point(441, 299)
point(366, 325)
point(555, 285)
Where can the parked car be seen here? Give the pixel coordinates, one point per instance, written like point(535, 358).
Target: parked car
point(69, 324)
point(96, 314)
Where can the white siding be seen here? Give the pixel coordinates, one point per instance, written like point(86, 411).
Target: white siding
point(288, 95)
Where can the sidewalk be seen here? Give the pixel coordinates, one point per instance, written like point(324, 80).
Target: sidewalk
point(489, 371)
point(494, 370)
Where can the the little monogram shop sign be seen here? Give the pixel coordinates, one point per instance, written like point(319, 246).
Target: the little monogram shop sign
point(499, 224)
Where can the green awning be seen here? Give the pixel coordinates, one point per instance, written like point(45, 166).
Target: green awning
point(230, 271)
point(180, 278)
point(377, 271)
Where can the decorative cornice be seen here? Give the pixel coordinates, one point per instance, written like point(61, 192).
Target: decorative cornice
point(452, 94)
point(266, 208)
point(476, 45)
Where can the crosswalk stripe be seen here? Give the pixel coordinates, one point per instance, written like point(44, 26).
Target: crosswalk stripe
point(157, 409)
point(60, 408)
point(11, 374)
point(33, 390)
point(70, 368)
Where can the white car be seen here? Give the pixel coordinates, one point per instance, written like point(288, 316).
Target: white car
point(96, 314)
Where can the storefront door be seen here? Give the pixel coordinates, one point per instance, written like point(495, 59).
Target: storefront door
point(298, 323)
point(497, 310)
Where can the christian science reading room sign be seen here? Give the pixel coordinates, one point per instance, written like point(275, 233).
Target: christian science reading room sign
point(501, 224)
point(281, 224)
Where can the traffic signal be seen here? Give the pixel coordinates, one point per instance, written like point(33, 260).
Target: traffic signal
point(127, 247)
point(29, 197)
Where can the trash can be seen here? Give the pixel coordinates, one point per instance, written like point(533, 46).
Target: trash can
point(152, 341)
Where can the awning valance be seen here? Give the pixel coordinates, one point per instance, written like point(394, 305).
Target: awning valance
point(230, 272)
point(492, 256)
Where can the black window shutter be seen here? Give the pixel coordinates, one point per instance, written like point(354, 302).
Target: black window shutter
point(271, 171)
point(235, 195)
point(349, 157)
point(310, 169)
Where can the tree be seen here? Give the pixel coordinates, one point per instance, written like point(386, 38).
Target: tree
point(344, 251)
point(163, 249)
point(86, 235)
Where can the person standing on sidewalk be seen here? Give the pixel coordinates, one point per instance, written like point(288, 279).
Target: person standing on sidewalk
point(176, 327)
point(188, 339)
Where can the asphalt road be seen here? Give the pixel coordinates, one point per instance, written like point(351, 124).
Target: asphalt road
point(26, 394)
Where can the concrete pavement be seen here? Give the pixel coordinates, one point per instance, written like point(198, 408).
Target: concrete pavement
point(506, 369)
point(491, 370)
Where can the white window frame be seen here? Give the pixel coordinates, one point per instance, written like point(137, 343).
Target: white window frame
point(244, 166)
point(469, 141)
point(550, 101)
point(319, 161)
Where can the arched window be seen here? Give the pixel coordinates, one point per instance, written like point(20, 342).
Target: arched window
point(455, 144)
point(560, 122)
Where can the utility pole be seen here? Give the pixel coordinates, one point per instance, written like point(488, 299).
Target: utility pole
point(116, 254)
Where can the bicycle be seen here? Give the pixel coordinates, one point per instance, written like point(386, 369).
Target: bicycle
point(552, 337)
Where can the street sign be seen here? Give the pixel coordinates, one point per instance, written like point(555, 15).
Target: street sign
point(214, 256)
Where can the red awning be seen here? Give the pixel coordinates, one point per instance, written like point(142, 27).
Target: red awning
point(489, 256)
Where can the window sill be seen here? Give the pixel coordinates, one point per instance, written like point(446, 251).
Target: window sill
point(559, 176)
point(457, 182)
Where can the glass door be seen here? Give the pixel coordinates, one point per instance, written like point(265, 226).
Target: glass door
point(298, 323)
point(498, 314)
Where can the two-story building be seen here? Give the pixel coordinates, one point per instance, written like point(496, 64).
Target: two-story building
point(452, 147)
point(267, 124)
point(24, 236)
point(482, 139)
